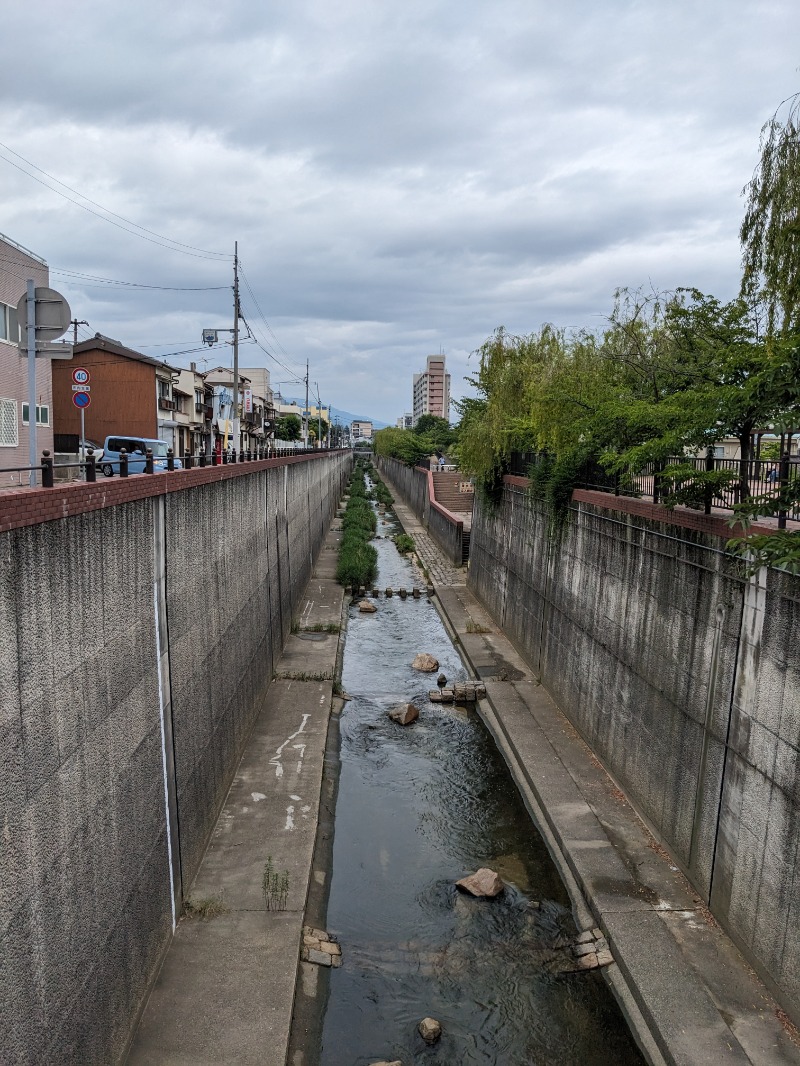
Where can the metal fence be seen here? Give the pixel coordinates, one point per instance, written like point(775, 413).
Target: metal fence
point(49, 473)
point(756, 477)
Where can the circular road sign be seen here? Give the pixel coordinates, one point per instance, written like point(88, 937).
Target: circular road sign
point(81, 399)
point(52, 315)
point(80, 375)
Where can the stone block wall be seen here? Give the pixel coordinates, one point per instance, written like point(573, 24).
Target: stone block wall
point(142, 621)
point(683, 677)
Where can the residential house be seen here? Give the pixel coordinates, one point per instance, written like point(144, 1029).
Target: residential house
point(17, 265)
point(193, 412)
point(131, 393)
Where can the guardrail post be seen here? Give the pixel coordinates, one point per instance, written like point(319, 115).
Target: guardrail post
point(91, 466)
point(170, 459)
point(202, 457)
point(148, 461)
point(123, 463)
point(47, 470)
point(188, 461)
point(783, 481)
point(708, 493)
point(225, 457)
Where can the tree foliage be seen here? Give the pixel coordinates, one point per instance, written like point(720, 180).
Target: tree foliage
point(770, 230)
point(288, 427)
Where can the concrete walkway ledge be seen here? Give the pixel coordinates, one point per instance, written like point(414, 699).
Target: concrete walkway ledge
point(226, 990)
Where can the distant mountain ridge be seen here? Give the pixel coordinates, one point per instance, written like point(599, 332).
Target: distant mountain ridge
point(345, 417)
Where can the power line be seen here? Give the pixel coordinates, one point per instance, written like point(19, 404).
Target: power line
point(137, 284)
point(154, 238)
point(261, 313)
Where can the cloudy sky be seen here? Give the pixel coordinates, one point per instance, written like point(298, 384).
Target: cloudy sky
point(401, 177)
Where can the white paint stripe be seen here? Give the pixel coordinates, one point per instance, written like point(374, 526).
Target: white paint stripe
point(296, 734)
point(164, 751)
point(289, 818)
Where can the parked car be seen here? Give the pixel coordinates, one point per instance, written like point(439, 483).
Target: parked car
point(136, 448)
point(85, 445)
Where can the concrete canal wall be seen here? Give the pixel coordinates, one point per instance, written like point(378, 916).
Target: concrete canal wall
point(415, 485)
point(142, 619)
point(683, 677)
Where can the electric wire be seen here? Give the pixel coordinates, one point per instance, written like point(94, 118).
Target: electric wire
point(162, 241)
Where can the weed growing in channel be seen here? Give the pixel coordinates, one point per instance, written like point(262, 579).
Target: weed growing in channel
point(197, 907)
point(275, 887)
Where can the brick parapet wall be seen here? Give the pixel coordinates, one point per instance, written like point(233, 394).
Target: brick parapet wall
point(29, 507)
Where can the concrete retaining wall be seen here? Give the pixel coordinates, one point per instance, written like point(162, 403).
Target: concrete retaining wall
point(140, 637)
point(415, 485)
point(684, 678)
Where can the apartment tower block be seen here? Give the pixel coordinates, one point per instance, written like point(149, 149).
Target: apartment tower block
point(432, 389)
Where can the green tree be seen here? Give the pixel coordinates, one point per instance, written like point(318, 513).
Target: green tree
point(288, 427)
point(770, 231)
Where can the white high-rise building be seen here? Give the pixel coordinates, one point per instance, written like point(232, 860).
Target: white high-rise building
point(432, 389)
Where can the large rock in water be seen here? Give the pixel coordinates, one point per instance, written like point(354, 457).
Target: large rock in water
point(425, 662)
point(383, 1062)
point(430, 1030)
point(405, 714)
point(483, 882)
point(366, 607)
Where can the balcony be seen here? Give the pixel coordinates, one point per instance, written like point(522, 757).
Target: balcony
point(166, 405)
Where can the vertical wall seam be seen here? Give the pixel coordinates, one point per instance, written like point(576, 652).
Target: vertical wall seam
point(159, 530)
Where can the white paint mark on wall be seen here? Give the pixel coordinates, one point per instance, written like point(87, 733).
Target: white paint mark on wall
point(289, 817)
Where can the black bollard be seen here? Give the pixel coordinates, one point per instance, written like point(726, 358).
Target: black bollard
point(47, 470)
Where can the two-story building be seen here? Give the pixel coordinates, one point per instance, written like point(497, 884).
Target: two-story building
point(193, 412)
point(131, 393)
point(17, 265)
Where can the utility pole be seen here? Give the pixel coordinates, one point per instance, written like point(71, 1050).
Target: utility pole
point(319, 416)
point(235, 411)
point(75, 323)
point(305, 412)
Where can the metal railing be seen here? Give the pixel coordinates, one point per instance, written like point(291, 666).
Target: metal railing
point(46, 475)
point(767, 478)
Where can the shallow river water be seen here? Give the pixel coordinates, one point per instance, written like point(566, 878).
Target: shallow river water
point(418, 808)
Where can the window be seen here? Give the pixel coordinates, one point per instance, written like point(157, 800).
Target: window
point(9, 433)
point(9, 327)
point(163, 389)
point(42, 414)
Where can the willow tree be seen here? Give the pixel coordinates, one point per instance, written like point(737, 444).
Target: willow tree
point(770, 231)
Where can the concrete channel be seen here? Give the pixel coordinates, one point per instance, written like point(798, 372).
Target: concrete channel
point(233, 988)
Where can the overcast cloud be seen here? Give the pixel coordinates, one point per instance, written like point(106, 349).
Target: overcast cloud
point(400, 177)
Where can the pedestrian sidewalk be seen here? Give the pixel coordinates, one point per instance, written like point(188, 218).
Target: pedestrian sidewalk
point(689, 995)
point(226, 990)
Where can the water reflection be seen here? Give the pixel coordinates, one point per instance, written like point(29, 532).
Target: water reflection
point(419, 807)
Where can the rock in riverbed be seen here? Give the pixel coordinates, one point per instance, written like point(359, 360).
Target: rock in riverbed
point(425, 662)
point(405, 714)
point(483, 882)
point(366, 607)
point(430, 1030)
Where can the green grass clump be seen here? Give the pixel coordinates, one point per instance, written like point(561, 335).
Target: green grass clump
point(404, 543)
point(358, 560)
point(358, 564)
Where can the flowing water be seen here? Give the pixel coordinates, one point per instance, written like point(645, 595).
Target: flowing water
point(418, 808)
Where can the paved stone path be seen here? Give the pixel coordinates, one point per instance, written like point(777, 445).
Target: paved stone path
point(441, 571)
